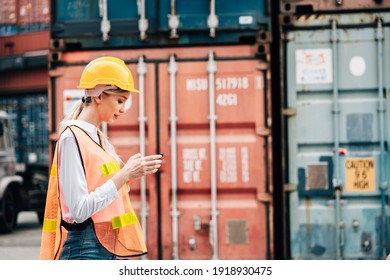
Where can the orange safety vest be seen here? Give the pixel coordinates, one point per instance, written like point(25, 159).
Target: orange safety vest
point(116, 227)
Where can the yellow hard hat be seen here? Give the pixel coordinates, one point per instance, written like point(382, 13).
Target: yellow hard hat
point(107, 70)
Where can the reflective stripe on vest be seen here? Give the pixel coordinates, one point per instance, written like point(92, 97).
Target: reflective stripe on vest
point(49, 225)
point(53, 171)
point(124, 220)
point(109, 168)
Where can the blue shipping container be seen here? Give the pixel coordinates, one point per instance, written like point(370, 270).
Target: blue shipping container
point(91, 24)
point(337, 86)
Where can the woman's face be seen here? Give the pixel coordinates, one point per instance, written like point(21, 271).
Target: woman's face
point(112, 106)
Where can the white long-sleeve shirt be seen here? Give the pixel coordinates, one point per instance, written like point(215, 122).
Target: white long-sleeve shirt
point(77, 204)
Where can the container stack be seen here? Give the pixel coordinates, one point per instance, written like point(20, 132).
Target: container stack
point(24, 49)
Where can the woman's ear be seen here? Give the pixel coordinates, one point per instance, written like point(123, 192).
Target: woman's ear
point(99, 98)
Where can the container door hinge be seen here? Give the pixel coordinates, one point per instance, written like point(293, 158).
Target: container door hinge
point(262, 65)
point(57, 44)
point(264, 197)
point(263, 131)
point(289, 112)
point(289, 187)
point(55, 57)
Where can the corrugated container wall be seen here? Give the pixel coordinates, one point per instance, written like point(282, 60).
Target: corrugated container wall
point(208, 110)
point(337, 123)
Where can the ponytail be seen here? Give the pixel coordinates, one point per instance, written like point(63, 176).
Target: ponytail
point(72, 115)
point(75, 113)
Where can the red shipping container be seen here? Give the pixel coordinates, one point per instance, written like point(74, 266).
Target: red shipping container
point(213, 195)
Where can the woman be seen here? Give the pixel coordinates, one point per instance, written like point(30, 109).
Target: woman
point(88, 213)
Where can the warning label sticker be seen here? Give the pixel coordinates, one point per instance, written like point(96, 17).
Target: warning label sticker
point(360, 174)
point(313, 66)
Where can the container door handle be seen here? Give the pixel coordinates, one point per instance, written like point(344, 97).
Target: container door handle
point(212, 69)
point(172, 69)
point(142, 22)
point(212, 20)
point(173, 21)
point(105, 25)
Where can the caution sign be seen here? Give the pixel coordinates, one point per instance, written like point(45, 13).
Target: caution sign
point(360, 174)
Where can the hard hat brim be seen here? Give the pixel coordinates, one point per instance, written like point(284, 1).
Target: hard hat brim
point(97, 90)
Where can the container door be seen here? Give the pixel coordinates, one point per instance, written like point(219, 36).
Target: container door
point(336, 93)
point(84, 24)
point(215, 200)
point(212, 21)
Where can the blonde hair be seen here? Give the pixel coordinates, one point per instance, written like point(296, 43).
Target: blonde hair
point(75, 113)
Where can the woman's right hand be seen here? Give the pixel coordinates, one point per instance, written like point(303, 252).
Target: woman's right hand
point(136, 167)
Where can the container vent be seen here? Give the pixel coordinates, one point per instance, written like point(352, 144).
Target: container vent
point(237, 232)
point(317, 176)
